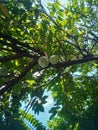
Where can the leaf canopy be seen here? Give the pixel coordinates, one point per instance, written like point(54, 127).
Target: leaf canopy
point(30, 30)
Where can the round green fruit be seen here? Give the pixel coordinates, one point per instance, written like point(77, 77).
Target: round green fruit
point(43, 61)
point(54, 59)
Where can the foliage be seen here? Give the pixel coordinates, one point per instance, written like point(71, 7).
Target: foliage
point(30, 30)
point(35, 123)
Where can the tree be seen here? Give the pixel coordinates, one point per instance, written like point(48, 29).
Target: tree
point(51, 48)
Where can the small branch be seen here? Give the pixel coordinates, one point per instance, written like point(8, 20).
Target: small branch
point(5, 49)
point(75, 46)
point(94, 35)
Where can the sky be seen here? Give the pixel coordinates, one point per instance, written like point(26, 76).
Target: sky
point(61, 1)
point(43, 117)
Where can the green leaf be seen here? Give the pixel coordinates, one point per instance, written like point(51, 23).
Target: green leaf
point(41, 108)
point(53, 115)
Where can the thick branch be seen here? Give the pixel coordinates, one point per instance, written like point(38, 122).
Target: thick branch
point(77, 61)
point(16, 56)
point(16, 79)
point(22, 45)
point(59, 65)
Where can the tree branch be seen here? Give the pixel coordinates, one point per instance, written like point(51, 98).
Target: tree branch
point(15, 42)
point(77, 61)
point(59, 65)
point(16, 56)
point(11, 84)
